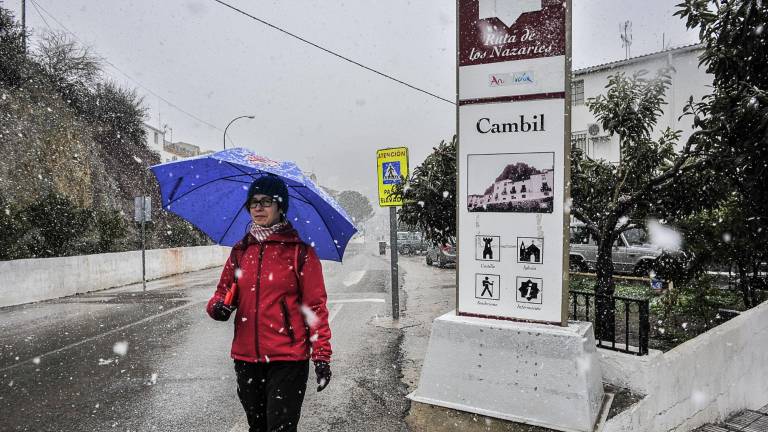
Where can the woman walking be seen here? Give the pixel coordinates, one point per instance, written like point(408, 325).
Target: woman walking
point(281, 318)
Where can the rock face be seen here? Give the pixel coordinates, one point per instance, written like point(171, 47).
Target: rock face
point(47, 147)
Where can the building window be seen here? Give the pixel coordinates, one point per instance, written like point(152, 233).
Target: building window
point(156, 137)
point(579, 141)
point(523, 189)
point(577, 92)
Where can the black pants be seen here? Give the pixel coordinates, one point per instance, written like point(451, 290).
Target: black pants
point(272, 393)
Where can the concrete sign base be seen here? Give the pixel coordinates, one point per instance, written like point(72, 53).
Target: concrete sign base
point(529, 373)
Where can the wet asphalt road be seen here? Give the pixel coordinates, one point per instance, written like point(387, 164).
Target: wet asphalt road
point(61, 367)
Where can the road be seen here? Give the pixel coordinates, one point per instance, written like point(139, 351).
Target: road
point(127, 360)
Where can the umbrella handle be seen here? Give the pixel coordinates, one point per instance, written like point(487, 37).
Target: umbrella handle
point(230, 294)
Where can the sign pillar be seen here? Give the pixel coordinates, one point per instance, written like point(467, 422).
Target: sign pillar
point(391, 169)
point(143, 214)
point(499, 353)
point(393, 252)
point(514, 142)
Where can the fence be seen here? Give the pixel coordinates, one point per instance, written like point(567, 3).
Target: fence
point(631, 324)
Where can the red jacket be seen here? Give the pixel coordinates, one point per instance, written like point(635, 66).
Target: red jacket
point(270, 324)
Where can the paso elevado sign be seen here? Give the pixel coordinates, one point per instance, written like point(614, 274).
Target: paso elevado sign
point(513, 159)
point(391, 168)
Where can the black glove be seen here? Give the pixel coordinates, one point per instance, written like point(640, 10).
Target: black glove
point(323, 372)
point(221, 312)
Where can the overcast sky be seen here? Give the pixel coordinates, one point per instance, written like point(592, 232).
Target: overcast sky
point(326, 114)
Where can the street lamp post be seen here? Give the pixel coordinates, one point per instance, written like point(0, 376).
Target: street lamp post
point(230, 123)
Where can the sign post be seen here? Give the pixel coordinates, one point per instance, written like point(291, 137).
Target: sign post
point(391, 169)
point(499, 353)
point(143, 213)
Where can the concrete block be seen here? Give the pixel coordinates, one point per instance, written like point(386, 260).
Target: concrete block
point(529, 373)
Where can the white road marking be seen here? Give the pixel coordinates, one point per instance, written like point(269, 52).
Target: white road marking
point(72, 345)
point(241, 425)
point(365, 300)
point(353, 277)
point(333, 312)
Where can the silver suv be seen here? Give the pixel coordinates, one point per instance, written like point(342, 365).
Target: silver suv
point(632, 252)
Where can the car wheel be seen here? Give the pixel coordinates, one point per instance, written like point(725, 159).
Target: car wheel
point(575, 264)
point(429, 260)
point(440, 262)
point(406, 250)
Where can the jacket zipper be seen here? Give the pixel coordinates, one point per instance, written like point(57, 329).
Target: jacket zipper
point(286, 319)
point(258, 297)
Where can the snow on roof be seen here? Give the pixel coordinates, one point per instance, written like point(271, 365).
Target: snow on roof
point(644, 57)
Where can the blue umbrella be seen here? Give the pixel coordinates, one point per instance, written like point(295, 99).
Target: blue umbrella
point(209, 192)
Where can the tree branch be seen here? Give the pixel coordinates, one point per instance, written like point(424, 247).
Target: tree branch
point(668, 174)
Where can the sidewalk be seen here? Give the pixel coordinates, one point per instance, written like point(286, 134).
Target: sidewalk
point(745, 421)
point(430, 292)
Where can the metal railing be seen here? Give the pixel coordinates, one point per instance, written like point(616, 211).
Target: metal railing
point(631, 324)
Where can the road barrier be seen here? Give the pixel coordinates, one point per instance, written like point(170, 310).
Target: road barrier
point(32, 280)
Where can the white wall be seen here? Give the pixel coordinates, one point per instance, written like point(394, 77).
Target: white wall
point(704, 380)
point(31, 280)
point(687, 80)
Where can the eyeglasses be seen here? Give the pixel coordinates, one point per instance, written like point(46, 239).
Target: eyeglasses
point(264, 203)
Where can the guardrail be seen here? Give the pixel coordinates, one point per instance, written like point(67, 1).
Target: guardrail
point(631, 323)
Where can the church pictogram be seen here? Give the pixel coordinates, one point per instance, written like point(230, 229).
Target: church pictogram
point(530, 250)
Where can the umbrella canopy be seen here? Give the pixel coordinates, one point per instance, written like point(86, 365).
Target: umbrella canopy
point(209, 191)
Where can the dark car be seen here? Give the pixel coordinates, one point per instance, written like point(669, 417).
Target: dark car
point(444, 255)
point(409, 242)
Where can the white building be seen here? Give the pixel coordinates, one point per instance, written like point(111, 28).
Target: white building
point(687, 80)
point(167, 150)
point(536, 187)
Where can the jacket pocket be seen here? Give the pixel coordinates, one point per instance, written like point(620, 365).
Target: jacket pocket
point(287, 320)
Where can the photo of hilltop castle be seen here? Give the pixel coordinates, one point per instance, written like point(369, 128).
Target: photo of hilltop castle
point(524, 183)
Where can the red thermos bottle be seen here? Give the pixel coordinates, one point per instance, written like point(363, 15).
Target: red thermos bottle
point(231, 294)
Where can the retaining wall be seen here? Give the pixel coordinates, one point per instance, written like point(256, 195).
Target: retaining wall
point(31, 280)
point(704, 380)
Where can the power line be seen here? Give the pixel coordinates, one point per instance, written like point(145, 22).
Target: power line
point(128, 76)
point(334, 53)
point(41, 15)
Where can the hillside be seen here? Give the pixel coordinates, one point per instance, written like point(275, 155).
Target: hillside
point(74, 155)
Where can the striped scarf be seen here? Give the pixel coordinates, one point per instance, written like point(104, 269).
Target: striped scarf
point(261, 233)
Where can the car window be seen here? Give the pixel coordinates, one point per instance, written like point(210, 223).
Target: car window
point(636, 236)
point(579, 235)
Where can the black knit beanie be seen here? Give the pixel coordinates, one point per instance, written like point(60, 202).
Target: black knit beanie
point(271, 186)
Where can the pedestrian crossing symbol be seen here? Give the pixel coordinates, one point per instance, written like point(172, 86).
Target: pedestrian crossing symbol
point(391, 173)
point(391, 169)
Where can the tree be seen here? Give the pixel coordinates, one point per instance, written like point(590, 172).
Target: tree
point(70, 67)
point(56, 225)
point(356, 204)
point(429, 195)
point(613, 198)
point(735, 120)
point(13, 58)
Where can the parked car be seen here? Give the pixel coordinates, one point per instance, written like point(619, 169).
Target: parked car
point(444, 255)
point(632, 252)
point(409, 243)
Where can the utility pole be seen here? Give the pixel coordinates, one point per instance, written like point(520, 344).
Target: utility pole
point(24, 24)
